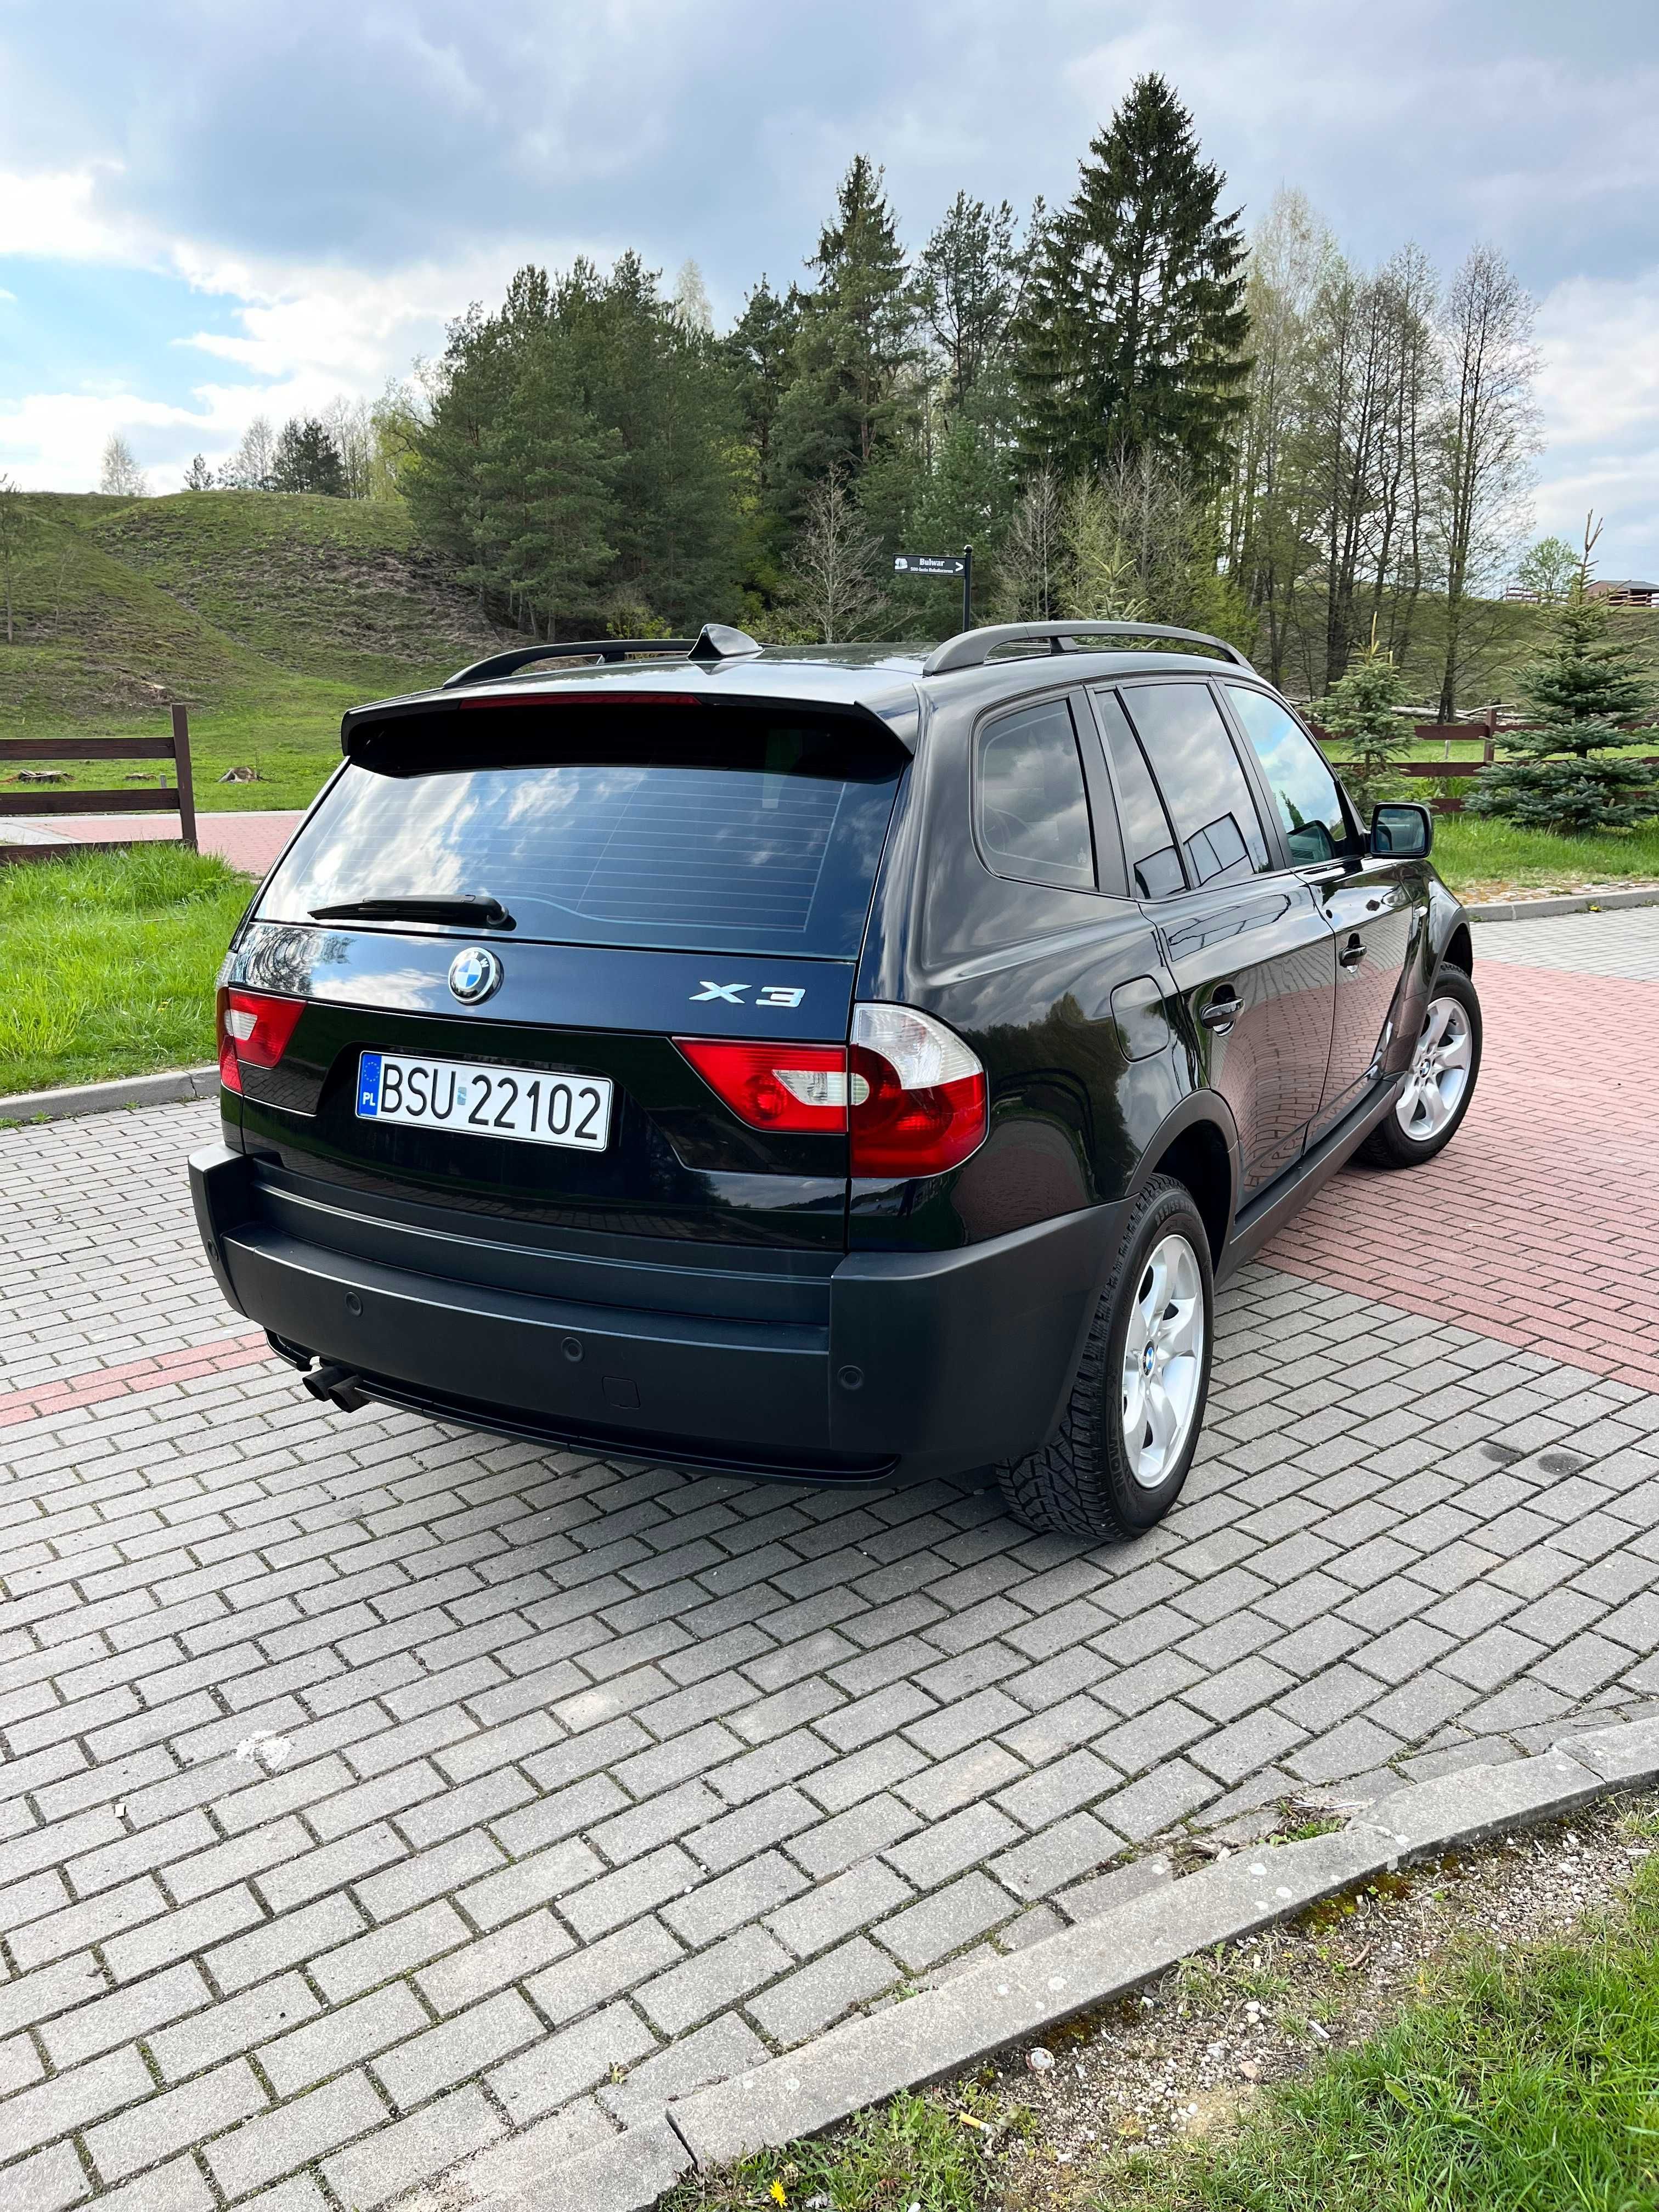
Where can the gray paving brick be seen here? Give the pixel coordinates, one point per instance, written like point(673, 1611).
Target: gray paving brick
point(952, 1845)
point(840, 1842)
point(814, 1995)
point(599, 1971)
point(716, 1907)
point(239, 2024)
point(576, 2058)
point(109, 2021)
point(175, 2120)
point(308, 2054)
point(1157, 1800)
point(720, 1975)
point(491, 1962)
point(397, 1948)
point(265, 2148)
point(947, 1921)
point(604, 1905)
point(835, 1909)
point(69, 2101)
point(439, 2057)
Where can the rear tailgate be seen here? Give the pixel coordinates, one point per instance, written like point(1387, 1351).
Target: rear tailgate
point(690, 872)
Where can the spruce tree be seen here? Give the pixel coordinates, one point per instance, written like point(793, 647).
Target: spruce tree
point(1584, 694)
point(853, 394)
point(1133, 327)
point(1360, 709)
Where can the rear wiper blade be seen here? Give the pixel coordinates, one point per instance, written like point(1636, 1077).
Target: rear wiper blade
point(481, 912)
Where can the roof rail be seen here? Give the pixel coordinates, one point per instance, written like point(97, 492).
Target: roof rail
point(970, 648)
point(715, 641)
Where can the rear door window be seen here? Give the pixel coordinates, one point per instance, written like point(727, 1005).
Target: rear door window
point(1148, 841)
point(1202, 781)
point(1033, 806)
point(1304, 790)
point(675, 829)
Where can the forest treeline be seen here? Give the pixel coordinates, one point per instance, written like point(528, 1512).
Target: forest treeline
point(1125, 405)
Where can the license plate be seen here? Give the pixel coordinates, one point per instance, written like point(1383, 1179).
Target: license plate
point(522, 1102)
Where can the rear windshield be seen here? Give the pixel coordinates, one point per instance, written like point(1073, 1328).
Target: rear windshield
point(728, 833)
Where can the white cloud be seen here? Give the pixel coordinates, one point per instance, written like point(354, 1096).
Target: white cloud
point(1599, 387)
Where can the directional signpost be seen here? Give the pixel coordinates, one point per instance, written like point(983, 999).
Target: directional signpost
point(942, 564)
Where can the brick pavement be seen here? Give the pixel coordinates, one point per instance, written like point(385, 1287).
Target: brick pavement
point(250, 840)
point(373, 1792)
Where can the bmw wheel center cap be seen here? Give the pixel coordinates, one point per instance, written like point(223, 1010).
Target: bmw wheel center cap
point(474, 974)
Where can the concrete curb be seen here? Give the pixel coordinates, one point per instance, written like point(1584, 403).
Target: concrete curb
point(943, 2031)
point(166, 1089)
point(1546, 909)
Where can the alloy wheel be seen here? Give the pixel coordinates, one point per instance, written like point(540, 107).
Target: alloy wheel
point(1439, 1072)
point(1163, 1361)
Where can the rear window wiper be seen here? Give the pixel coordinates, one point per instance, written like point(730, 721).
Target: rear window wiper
point(481, 912)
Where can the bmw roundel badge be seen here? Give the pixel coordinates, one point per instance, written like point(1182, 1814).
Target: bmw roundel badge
point(474, 974)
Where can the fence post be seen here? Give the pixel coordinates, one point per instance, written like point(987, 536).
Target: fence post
point(1489, 750)
point(181, 766)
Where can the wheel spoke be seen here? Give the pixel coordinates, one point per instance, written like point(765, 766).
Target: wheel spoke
point(1183, 1331)
point(1435, 1024)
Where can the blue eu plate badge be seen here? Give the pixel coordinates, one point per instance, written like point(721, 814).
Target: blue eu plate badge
point(369, 1084)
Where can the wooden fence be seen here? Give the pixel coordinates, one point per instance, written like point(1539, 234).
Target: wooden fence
point(178, 797)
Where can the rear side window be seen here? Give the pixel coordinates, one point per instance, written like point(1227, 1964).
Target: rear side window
point(1304, 790)
point(672, 829)
point(1202, 781)
point(1033, 806)
point(1148, 841)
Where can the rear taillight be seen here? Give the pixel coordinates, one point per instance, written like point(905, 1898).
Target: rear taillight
point(921, 1103)
point(909, 1094)
point(254, 1030)
point(798, 1089)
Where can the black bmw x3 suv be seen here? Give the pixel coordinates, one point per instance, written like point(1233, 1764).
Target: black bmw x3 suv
point(842, 1067)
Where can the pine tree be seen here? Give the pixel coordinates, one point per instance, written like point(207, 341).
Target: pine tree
point(307, 460)
point(1360, 709)
point(198, 476)
point(968, 280)
point(759, 349)
point(1134, 329)
point(852, 395)
point(1584, 694)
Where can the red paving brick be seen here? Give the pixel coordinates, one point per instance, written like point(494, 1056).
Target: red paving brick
point(94, 1384)
point(1539, 1225)
point(249, 841)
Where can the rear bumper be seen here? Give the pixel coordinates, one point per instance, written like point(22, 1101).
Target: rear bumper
point(898, 1366)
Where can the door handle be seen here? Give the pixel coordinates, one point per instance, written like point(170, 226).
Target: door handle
point(1221, 1013)
point(1352, 953)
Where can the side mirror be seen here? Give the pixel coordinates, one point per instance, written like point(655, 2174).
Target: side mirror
point(1402, 832)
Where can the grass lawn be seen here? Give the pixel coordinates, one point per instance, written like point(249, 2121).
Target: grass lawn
point(107, 963)
point(1519, 2081)
point(1481, 857)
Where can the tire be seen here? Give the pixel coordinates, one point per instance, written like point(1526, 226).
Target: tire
point(1089, 1481)
point(1424, 1120)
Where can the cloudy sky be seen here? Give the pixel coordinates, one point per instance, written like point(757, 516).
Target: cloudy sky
point(215, 208)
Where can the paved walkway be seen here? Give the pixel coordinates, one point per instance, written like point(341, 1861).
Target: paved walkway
point(375, 1792)
point(249, 841)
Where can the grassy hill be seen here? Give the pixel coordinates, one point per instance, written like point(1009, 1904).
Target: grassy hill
point(267, 614)
point(270, 613)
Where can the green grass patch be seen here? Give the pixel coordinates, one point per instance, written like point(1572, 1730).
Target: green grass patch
point(912, 2151)
point(1526, 2081)
point(107, 962)
point(1475, 853)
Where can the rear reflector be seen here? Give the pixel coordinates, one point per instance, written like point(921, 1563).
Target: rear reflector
point(910, 1095)
point(254, 1030)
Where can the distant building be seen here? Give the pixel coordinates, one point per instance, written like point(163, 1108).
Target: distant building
point(1626, 592)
